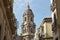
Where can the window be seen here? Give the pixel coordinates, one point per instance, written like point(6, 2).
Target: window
point(54, 21)
point(42, 30)
point(5, 38)
point(31, 19)
point(25, 30)
point(25, 18)
point(31, 30)
point(56, 39)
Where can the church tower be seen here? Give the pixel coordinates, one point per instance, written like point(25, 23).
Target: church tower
point(28, 26)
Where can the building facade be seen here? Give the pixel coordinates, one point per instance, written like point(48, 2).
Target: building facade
point(46, 29)
point(28, 26)
point(7, 20)
point(55, 9)
point(37, 34)
point(58, 17)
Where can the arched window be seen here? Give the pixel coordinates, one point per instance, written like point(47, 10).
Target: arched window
point(22, 31)
point(54, 21)
point(25, 19)
point(25, 29)
point(31, 19)
point(31, 30)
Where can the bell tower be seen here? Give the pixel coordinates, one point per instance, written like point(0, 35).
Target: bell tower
point(28, 26)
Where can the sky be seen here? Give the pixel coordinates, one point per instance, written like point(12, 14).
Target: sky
point(40, 8)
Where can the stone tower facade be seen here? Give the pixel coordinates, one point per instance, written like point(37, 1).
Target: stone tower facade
point(28, 26)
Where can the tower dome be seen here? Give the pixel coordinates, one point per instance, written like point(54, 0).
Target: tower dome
point(28, 11)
